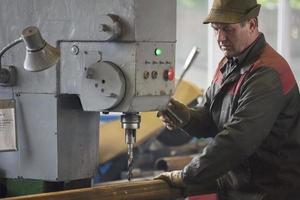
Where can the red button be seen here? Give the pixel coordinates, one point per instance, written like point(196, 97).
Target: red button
point(171, 74)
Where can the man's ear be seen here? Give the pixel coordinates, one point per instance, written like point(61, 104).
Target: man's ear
point(253, 24)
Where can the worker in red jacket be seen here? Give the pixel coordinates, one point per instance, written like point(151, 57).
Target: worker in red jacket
point(251, 110)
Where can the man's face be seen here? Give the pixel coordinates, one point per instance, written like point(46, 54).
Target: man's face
point(233, 39)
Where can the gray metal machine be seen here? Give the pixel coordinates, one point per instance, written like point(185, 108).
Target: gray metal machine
point(116, 56)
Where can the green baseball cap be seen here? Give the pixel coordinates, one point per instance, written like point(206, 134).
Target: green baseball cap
point(232, 11)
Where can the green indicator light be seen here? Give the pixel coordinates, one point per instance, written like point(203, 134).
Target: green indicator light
point(158, 52)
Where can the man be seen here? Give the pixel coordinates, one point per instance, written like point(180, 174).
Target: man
point(251, 110)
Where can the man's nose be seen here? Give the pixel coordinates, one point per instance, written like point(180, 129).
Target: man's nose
point(221, 36)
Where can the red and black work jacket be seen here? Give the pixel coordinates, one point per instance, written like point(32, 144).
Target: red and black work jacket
point(252, 114)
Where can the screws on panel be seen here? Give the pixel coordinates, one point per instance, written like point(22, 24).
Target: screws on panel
point(75, 50)
point(146, 75)
point(154, 74)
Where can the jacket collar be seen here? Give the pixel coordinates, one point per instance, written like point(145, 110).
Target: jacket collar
point(253, 51)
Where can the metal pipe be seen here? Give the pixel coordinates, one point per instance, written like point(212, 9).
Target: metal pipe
point(7, 47)
point(141, 189)
point(172, 163)
point(5, 74)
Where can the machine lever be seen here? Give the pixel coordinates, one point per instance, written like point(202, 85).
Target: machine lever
point(188, 63)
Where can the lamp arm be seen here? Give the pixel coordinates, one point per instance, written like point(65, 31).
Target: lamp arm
point(13, 43)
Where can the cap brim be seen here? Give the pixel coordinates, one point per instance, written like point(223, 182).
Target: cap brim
point(230, 17)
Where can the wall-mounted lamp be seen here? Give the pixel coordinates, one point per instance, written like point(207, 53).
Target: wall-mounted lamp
point(39, 55)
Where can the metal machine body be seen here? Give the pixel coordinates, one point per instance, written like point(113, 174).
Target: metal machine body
point(108, 64)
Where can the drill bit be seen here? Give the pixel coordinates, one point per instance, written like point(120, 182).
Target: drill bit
point(130, 161)
point(130, 140)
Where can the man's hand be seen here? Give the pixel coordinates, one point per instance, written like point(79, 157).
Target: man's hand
point(173, 178)
point(176, 115)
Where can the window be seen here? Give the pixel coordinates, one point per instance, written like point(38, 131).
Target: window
point(294, 36)
point(191, 32)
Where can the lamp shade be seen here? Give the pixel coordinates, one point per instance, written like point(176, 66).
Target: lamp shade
point(39, 54)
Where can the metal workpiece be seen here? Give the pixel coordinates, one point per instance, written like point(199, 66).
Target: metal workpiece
point(120, 190)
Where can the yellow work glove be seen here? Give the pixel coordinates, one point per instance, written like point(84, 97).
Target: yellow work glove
point(173, 178)
point(175, 116)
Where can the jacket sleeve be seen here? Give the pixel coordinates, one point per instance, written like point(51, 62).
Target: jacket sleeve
point(201, 123)
point(260, 102)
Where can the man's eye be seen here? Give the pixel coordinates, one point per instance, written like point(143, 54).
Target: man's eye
point(215, 29)
point(226, 29)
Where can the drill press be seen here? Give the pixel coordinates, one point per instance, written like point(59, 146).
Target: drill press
point(118, 58)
